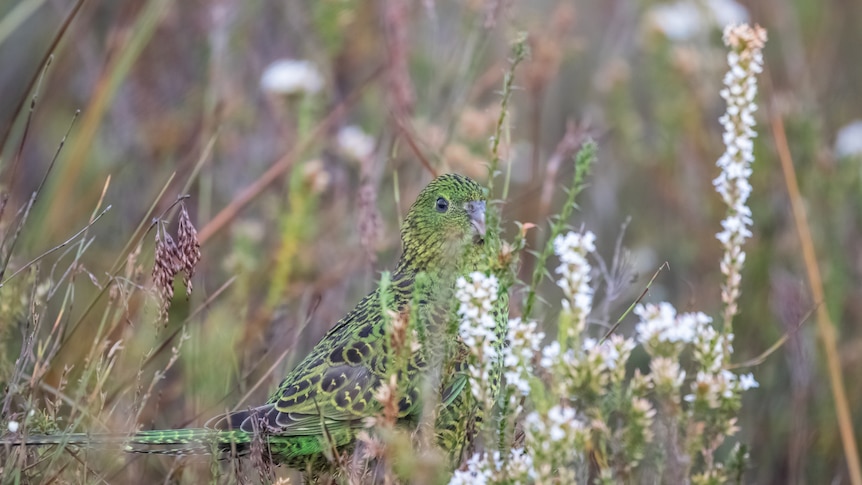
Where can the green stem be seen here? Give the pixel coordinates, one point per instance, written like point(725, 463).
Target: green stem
point(583, 161)
point(520, 52)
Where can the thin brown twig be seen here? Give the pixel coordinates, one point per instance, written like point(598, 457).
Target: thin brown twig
point(72, 403)
point(825, 326)
point(86, 467)
point(35, 193)
point(55, 248)
point(409, 136)
point(48, 53)
point(281, 166)
point(281, 357)
point(167, 341)
point(23, 142)
point(116, 267)
point(772, 348)
point(566, 147)
point(564, 150)
point(634, 303)
point(164, 213)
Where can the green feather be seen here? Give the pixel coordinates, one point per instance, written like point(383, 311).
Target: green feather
point(325, 400)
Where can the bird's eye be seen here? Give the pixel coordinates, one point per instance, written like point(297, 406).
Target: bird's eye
point(442, 204)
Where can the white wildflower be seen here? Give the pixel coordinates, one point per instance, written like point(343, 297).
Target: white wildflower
point(555, 440)
point(713, 389)
point(667, 376)
point(727, 12)
point(677, 20)
point(355, 143)
point(848, 141)
point(290, 77)
point(661, 325)
point(747, 381)
point(685, 19)
point(572, 249)
point(558, 424)
point(643, 407)
point(745, 60)
point(524, 342)
point(560, 418)
point(13, 426)
point(550, 355)
point(712, 349)
point(520, 466)
point(485, 468)
point(478, 328)
point(638, 431)
point(477, 472)
point(716, 388)
point(610, 353)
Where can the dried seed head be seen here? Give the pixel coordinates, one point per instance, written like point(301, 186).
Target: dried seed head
point(189, 248)
point(387, 396)
point(165, 268)
point(132, 267)
point(398, 334)
point(371, 446)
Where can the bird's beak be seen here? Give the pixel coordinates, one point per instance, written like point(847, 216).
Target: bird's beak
point(476, 211)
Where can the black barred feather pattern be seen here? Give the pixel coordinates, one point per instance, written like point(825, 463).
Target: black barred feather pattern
point(326, 399)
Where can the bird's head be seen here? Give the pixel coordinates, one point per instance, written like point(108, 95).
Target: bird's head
point(447, 219)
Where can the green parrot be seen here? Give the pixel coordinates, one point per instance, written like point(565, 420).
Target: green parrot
point(326, 399)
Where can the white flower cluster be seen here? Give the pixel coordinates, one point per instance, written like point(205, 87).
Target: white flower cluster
point(667, 375)
point(355, 143)
point(556, 439)
point(745, 60)
point(551, 355)
point(574, 271)
point(712, 348)
point(848, 140)
point(640, 423)
point(476, 295)
point(589, 368)
point(716, 389)
point(524, 342)
point(287, 77)
point(662, 332)
point(684, 20)
point(559, 423)
point(483, 469)
point(612, 353)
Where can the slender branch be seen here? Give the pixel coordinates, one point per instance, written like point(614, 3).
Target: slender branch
point(634, 303)
point(48, 53)
point(55, 248)
point(825, 326)
point(280, 167)
point(583, 161)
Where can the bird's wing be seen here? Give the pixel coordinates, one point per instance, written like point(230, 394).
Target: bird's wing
point(333, 386)
point(339, 397)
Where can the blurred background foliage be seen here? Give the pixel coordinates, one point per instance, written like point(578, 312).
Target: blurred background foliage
point(172, 102)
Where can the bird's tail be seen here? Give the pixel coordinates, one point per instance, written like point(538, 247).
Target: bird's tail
point(190, 441)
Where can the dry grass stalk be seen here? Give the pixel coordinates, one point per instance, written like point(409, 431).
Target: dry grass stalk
point(189, 248)
point(173, 257)
point(165, 267)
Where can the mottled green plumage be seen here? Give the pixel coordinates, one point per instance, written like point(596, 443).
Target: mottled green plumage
point(327, 397)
